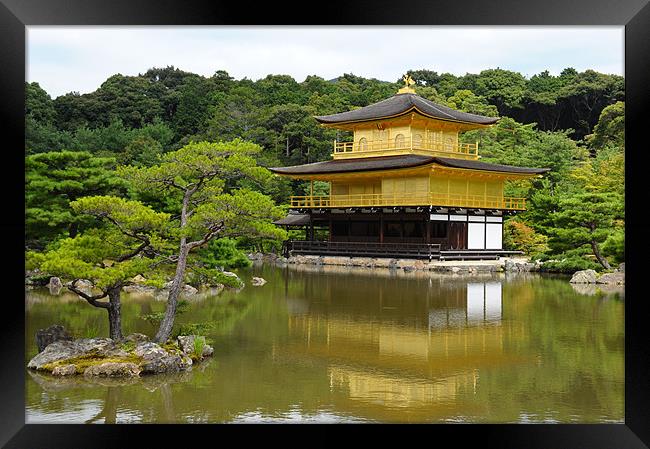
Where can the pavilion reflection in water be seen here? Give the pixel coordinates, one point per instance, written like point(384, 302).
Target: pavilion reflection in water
point(429, 361)
point(483, 306)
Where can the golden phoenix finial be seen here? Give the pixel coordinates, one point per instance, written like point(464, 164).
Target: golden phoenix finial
point(408, 82)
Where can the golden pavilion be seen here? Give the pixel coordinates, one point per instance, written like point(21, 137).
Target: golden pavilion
point(405, 186)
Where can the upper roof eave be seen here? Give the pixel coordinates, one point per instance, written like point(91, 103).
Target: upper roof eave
point(402, 104)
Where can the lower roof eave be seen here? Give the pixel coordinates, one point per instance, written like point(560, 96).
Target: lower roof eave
point(428, 207)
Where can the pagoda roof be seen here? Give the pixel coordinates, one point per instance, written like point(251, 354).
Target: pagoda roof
point(396, 162)
point(293, 220)
point(401, 104)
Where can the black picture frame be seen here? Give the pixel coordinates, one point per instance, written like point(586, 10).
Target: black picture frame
point(15, 15)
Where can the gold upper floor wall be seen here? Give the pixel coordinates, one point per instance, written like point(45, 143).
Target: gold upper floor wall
point(411, 134)
point(437, 186)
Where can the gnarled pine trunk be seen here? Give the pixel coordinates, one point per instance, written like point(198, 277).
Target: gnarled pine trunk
point(601, 259)
point(114, 313)
point(166, 325)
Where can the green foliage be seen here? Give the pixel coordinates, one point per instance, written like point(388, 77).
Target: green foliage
point(601, 174)
point(108, 256)
point(131, 217)
point(223, 253)
point(466, 100)
point(569, 265)
point(38, 104)
point(52, 181)
point(587, 217)
point(614, 246)
point(518, 236)
point(197, 350)
point(194, 107)
point(215, 163)
point(321, 188)
point(92, 255)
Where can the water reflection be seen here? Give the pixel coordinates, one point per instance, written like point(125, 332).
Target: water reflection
point(337, 344)
point(387, 363)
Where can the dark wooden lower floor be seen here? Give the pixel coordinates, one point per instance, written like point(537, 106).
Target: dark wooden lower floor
point(374, 249)
point(425, 232)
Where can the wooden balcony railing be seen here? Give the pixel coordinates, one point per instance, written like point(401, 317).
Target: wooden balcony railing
point(410, 199)
point(407, 144)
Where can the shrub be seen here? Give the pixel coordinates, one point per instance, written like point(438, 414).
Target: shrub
point(223, 253)
point(199, 344)
point(569, 265)
point(518, 236)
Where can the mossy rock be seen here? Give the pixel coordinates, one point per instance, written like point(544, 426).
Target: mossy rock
point(85, 361)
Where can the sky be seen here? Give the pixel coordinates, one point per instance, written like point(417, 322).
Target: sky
point(81, 58)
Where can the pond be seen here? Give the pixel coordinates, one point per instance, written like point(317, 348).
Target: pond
point(337, 344)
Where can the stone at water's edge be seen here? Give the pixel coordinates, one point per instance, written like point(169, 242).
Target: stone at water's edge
point(55, 283)
point(49, 335)
point(612, 278)
point(156, 360)
point(64, 370)
point(64, 349)
point(511, 265)
point(591, 277)
point(621, 268)
point(584, 277)
point(256, 281)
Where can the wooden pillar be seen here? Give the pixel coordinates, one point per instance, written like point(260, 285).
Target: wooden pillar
point(381, 226)
point(427, 226)
point(349, 227)
point(330, 226)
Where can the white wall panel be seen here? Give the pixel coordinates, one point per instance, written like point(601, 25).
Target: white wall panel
point(476, 236)
point(494, 237)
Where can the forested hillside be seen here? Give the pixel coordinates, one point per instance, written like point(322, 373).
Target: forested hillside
point(572, 123)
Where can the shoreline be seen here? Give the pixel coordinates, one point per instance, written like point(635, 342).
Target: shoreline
point(502, 264)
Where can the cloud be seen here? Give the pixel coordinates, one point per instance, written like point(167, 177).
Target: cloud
point(64, 59)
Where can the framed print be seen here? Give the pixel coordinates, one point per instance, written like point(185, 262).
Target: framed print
point(396, 214)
